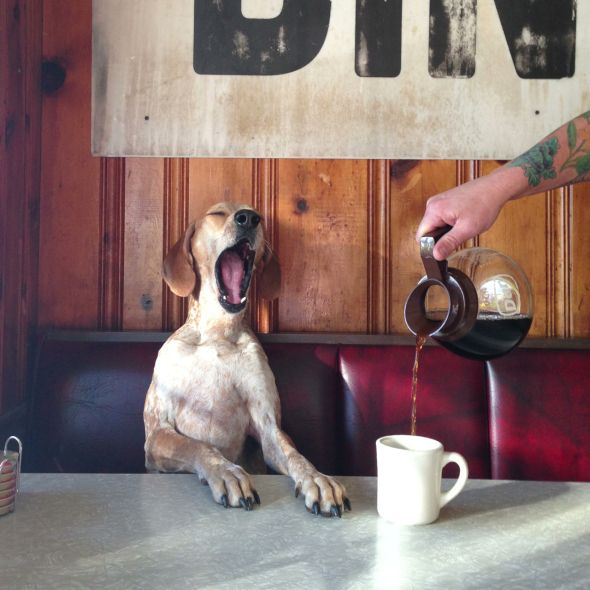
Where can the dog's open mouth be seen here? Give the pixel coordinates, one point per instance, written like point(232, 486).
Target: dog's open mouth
point(233, 272)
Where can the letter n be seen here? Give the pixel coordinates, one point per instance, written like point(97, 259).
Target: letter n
point(541, 36)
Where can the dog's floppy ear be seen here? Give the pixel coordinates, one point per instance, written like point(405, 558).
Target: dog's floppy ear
point(178, 268)
point(269, 279)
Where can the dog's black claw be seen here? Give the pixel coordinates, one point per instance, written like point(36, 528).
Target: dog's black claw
point(256, 497)
point(335, 511)
point(316, 508)
point(297, 490)
point(245, 504)
point(225, 501)
point(347, 504)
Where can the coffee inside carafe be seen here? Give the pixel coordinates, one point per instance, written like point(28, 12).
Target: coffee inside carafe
point(490, 337)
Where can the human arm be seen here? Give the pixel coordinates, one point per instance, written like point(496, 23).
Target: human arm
point(561, 158)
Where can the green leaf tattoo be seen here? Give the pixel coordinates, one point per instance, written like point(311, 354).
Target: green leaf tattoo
point(537, 163)
point(571, 135)
point(583, 165)
point(579, 153)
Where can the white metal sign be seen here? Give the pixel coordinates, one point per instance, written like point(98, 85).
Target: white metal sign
point(462, 79)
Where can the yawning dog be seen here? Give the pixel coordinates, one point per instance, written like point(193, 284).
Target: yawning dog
point(212, 386)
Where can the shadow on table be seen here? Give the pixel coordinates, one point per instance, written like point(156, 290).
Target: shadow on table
point(500, 496)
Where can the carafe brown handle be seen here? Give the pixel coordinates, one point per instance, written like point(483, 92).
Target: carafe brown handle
point(462, 296)
point(435, 269)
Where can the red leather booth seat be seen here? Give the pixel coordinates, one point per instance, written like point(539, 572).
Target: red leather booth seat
point(540, 415)
point(451, 403)
point(526, 415)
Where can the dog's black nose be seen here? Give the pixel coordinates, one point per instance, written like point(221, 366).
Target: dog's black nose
point(246, 218)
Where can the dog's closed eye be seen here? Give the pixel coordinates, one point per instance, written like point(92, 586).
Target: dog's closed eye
point(221, 213)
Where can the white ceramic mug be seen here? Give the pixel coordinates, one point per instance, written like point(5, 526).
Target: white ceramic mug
point(409, 473)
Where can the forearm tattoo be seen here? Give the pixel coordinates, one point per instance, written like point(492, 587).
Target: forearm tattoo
point(537, 163)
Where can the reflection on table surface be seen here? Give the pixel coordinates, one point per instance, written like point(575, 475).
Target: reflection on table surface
point(165, 531)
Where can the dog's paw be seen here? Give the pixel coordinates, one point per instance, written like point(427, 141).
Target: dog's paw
point(323, 495)
point(232, 486)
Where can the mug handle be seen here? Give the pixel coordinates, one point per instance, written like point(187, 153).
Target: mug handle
point(446, 497)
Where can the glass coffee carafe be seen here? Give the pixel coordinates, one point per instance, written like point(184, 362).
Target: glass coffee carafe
point(478, 304)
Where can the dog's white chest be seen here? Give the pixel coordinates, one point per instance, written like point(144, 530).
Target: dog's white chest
point(205, 390)
point(203, 371)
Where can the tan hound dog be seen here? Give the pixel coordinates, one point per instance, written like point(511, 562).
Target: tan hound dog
point(212, 386)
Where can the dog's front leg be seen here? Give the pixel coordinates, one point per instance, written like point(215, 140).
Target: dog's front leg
point(167, 450)
point(323, 494)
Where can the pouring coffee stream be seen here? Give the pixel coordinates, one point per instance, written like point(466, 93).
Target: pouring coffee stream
point(478, 304)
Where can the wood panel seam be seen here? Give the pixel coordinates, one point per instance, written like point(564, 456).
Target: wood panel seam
point(264, 315)
point(112, 243)
point(468, 170)
point(379, 286)
point(176, 210)
point(568, 262)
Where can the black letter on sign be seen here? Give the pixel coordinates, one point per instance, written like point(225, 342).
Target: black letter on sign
point(378, 47)
point(541, 36)
point(228, 43)
point(451, 50)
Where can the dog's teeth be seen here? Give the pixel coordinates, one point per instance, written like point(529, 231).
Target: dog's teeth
point(243, 300)
point(224, 297)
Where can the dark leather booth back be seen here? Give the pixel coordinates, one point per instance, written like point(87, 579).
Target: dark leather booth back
point(87, 411)
point(526, 415)
point(88, 406)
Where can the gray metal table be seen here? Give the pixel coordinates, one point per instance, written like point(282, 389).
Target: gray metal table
point(164, 531)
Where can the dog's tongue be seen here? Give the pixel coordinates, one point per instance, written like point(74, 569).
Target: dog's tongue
point(232, 272)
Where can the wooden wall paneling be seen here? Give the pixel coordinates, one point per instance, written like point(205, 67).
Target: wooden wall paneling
point(209, 181)
point(579, 260)
point(264, 314)
point(32, 17)
point(4, 186)
point(176, 220)
point(558, 263)
point(144, 244)
point(323, 242)
point(111, 243)
point(11, 185)
point(468, 170)
point(521, 232)
point(71, 179)
point(379, 247)
point(412, 183)
point(343, 230)
point(220, 179)
point(20, 59)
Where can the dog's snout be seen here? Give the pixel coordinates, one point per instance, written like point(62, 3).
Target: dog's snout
point(246, 218)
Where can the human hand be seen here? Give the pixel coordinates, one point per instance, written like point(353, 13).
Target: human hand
point(470, 209)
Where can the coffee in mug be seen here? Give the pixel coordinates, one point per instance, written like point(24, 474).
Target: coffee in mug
point(409, 474)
